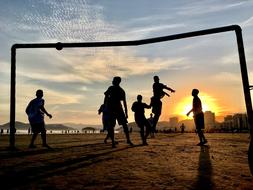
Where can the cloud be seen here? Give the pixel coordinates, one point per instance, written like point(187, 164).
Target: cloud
point(88, 116)
point(204, 7)
point(149, 19)
point(5, 75)
point(54, 98)
point(59, 20)
point(250, 75)
point(248, 22)
point(230, 59)
point(227, 77)
point(5, 67)
point(67, 21)
point(233, 58)
point(144, 31)
point(86, 68)
point(141, 27)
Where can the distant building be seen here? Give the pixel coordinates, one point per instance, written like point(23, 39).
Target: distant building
point(237, 122)
point(173, 122)
point(209, 120)
point(240, 122)
point(228, 123)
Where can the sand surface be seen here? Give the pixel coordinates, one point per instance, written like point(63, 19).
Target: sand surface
point(170, 161)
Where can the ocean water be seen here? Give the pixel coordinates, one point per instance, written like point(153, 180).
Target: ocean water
point(23, 132)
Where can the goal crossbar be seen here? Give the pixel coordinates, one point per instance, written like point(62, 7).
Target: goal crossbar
point(131, 42)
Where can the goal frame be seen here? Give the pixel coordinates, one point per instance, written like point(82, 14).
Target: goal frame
point(242, 60)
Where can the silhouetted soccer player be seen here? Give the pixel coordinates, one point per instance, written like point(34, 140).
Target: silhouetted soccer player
point(198, 116)
point(138, 108)
point(158, 88)
point(151, 122)
point(35, 111)
point(156, 103)
point(106, 124)
point(182, 127)
point(114, 96)
point(105, 120)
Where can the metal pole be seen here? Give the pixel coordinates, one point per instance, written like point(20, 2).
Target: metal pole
point(12, 98)
point(247, 96)
point(60, 45)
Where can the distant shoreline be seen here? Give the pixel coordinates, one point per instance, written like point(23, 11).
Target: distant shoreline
point(27, 132)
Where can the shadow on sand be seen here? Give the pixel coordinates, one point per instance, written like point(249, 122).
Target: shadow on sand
point(205, 170)
point(18, 153)
point(17, 177)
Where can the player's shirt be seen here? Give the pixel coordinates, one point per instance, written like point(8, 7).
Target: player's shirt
point(33, 110)
point(139, 108)
point(158, 89)
point(115, 95)
point(197, 106)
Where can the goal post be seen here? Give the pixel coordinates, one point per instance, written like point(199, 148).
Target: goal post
point(59, 46)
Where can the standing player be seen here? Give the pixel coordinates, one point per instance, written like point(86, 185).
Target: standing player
point(198, 116)
point(114, 95)
point(35, 111)
point(106, 124)
point(151, 121)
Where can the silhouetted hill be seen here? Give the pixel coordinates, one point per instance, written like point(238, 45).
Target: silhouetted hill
point(19, 125)
point(88, 129)
point(80, 126)
point(58, 127)
point(24, 126)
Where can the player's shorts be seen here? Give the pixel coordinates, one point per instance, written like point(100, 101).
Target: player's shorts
point(38, 127)
point(118, 115)
point(141, 122)
point(106, 124)
point(199, 121)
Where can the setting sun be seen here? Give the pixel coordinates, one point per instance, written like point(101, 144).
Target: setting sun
point(185, 105)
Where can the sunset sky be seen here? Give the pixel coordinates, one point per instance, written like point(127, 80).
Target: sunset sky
point(74, 80)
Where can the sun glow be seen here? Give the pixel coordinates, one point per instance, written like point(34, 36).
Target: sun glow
point(185, 105)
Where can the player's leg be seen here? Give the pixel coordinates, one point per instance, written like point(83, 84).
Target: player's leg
point(34, 135)
point(44, 135)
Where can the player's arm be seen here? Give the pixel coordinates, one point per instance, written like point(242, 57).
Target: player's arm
point(125, 107)
point(166, 94)
point(189, 112)
point(106, 95)
point(147, 106)
point(28, 108)
point(151, 102)
point(42, 108)
point(133, 107)
point(193, 107)
point(100, 110)
point(168, 88)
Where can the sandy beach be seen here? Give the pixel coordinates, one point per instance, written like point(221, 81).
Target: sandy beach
point(170, 161)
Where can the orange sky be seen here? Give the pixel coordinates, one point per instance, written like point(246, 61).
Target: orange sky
point(178, 105)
